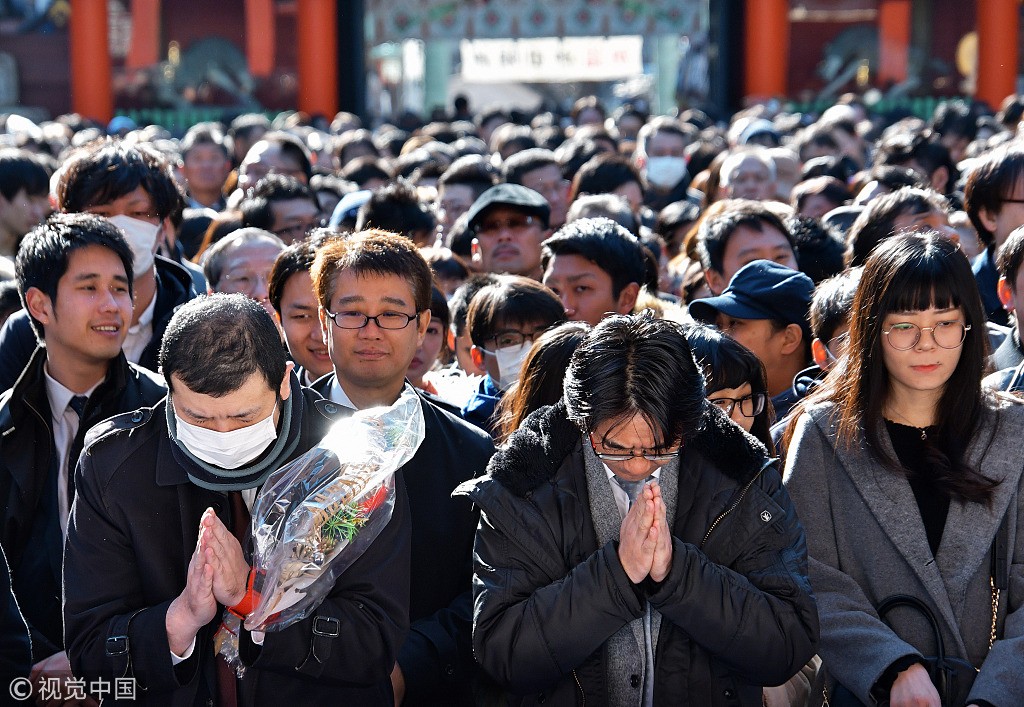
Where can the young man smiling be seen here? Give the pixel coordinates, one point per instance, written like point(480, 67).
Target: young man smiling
point(374, 294)
point(132, 186)
point(75, 281)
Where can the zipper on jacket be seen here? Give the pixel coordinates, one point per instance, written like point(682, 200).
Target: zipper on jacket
point(580, 686)
point(731, 508)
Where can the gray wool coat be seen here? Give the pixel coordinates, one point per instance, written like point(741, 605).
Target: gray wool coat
point(866, 541)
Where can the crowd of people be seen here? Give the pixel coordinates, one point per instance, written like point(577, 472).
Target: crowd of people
point(715, 412)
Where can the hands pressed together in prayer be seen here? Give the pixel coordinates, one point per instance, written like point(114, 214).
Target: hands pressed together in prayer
point(645, 543)
point(217, 574)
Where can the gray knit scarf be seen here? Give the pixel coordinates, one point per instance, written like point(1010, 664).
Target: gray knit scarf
point(626, 647)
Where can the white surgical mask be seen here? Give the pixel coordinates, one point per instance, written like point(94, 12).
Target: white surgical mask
point(228, 450)
point(141, 236)
point(510, 363)
point(665, 172)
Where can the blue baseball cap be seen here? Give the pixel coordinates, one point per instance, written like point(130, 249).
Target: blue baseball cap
point(761, 290)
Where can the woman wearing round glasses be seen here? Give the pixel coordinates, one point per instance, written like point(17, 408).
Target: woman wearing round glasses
point(903, 470)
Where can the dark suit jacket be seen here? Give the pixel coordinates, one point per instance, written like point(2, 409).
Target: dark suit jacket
point(437, 657)
point(29, 526)
point(133, 529)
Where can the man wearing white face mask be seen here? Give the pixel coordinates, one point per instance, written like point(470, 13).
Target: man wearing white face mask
point(155, 543)
point(503, 321)
point(661, 158)
point(374, 294)
point(134, 188)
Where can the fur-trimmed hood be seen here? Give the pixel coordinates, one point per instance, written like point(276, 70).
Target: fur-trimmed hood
point(535, 452)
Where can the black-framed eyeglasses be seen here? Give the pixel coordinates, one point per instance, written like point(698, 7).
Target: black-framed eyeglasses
point(620, 457)
point(750, 406)
point(903, 336)
point(385, 320)
point(510, 338)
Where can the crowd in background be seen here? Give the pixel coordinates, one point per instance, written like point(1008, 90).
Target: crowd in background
point(801, 256)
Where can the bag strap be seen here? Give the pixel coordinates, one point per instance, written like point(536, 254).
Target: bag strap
point(891, 602)
point(1000, 574)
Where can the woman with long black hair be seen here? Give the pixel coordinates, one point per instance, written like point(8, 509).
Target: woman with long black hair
point(903, 471)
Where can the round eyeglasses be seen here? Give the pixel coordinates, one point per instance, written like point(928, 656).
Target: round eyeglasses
point(385, 320)
point(947, 335)
point(750, 406)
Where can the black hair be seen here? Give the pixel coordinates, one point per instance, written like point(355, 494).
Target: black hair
point(542, 376)
point(906, 273)
point(827, 186)
point(255, 209)
point(522, 163)
point(636, 365)
point(512, 300)
point(603, 242)
point(989, 183)
point(460, 300)
point(203, 134)
point(10, 300)
point(396, 208)
point(293, 148)
point(358, 138)
point(922, 147)
point(876, 222)
point(955, 117)
point(603, 174)
point(444, 263)
point(832, 303)
point(19, 170)
point(726, 363)
point(664, 124)
point(362, 169)
point(587, 103)
point(894, 177)
point(820, 249)
point(45, 253)
point(439, 313)
point(108, 170)
point(473, 171)
point(295, 258)
point(714, 233)
point(192, 229)
point(575, 153)
point(612, 206)
point(371, 253)
point(510, 139)
point(215, 343)
point(1010, 256)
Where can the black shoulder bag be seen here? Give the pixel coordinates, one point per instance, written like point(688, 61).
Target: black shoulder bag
point(952, 677)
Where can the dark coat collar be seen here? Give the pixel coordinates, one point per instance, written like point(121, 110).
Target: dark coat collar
point(315, 415)
point(536, 451)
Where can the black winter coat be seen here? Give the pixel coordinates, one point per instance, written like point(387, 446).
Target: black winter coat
point(27, 460)
point(133, 529)
point(737, 608)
